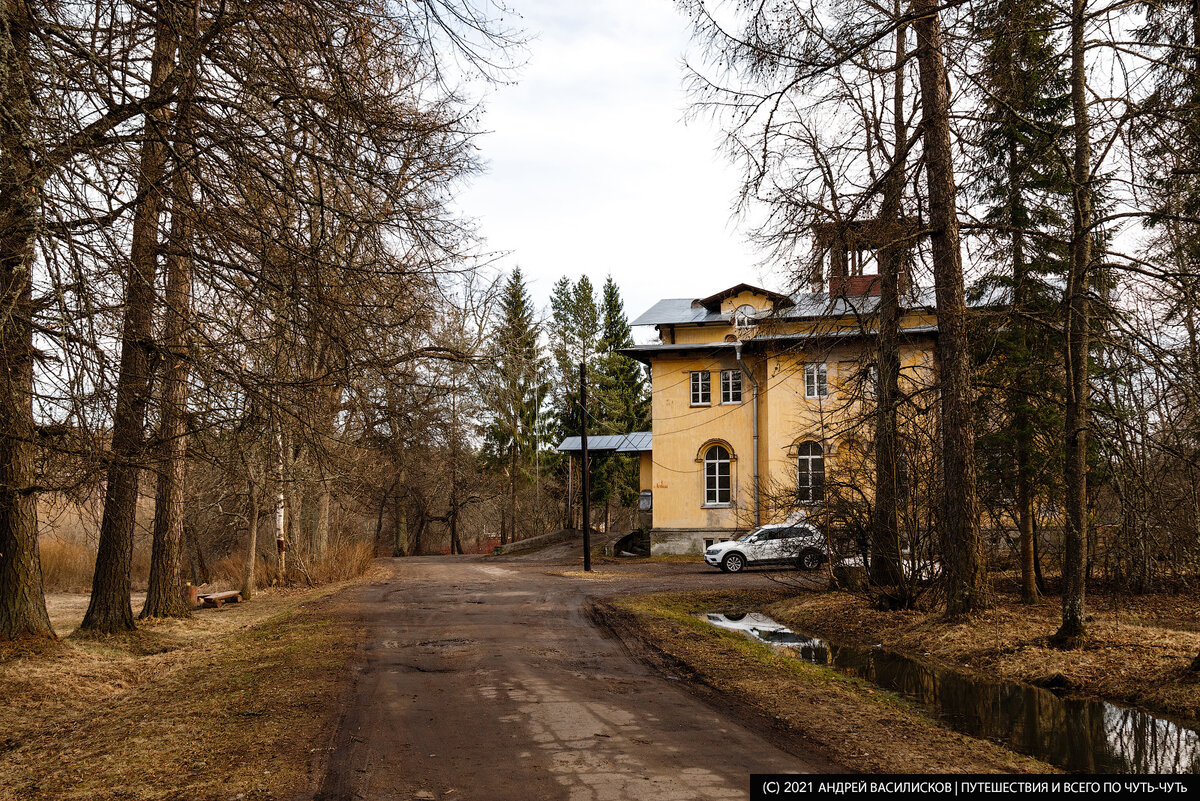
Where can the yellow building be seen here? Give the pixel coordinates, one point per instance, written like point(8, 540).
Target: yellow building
point(757, 396)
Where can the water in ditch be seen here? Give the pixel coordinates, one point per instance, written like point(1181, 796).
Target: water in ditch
point(1076, 734)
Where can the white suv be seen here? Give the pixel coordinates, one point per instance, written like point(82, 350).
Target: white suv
point(780, 543)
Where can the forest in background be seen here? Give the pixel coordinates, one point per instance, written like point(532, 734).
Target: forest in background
point(246, 333)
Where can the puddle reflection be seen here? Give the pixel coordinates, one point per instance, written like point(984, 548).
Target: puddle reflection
point(1073, 733)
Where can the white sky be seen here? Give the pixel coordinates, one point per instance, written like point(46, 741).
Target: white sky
point(591, 168)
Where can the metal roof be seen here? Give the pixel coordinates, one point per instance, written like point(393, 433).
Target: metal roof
point(637, 442)
point(686, 311)
point(643, 353)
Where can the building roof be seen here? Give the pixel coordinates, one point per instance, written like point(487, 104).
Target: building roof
point(643, 353)
point(804, 305)
point(637, 442)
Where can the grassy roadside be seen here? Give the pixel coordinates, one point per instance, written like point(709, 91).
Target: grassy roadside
point(1139, 650)
point(232, 703)
point(855, 726)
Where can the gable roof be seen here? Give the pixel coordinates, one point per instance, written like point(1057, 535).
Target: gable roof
point(713, 302)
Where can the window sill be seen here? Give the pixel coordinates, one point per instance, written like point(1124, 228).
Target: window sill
point(716, 506)
point(699, 405)
point(731, 403)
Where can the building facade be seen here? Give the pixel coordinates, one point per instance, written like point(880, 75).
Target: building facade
point(759, 398)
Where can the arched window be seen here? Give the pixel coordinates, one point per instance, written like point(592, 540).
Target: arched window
point(716, 476)
point(810, 473)
point(744, 316)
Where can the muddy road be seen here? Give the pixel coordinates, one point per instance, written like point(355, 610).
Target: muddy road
point(484, 678)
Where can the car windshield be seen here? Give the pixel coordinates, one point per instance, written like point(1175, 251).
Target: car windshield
point(757, 534)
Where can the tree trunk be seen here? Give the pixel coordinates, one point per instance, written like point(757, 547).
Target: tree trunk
point(163, 596)
point(512, 490)
point(293, 501)
point(962, 545)
point(1073, 632)
point(455, 543)
point(401, 544)
point(253, 504)
point(281, 538)
point(200, 573)
point(110, 610)
point(321, 528)
point(416, 539)
point(22, 603)
point(884, 565)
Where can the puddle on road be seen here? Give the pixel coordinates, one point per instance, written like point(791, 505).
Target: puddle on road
point(1075, 734)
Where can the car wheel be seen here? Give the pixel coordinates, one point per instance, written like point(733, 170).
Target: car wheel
point(810, 559)
point(733, 563)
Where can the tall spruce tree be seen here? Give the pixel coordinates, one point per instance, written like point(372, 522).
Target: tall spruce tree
point(621, 393)
point(1026, 192)
point(574, 340)
point(516, 390)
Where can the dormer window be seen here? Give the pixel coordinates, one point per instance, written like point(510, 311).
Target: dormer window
point(743, 316)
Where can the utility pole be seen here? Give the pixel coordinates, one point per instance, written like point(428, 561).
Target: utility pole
point(587, 539)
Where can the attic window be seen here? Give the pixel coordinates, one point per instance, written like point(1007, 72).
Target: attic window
point(861, 261)
point(743, 316)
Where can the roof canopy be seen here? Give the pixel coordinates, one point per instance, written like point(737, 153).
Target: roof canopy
point(636, 442)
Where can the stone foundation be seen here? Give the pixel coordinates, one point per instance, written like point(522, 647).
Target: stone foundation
point(687, 541)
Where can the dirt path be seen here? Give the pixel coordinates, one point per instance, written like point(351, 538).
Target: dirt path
point(484, 679)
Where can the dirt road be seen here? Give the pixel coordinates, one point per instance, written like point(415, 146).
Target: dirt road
point(484, 679)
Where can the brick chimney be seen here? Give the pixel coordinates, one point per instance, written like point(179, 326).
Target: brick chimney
point(854, 285)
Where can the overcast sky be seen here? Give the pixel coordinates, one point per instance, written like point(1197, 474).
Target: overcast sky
point(591, 168)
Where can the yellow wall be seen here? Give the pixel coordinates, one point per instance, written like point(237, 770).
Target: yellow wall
point(682, 432)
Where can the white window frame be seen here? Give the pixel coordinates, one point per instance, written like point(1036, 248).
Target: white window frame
point(701, 387)
point(731, 386)
point(816, 380)
point(744, 316)
point(810, 464)
point(713, 484)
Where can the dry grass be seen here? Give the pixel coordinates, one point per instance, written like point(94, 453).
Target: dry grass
point(861, 728)
point(343, 561)
point(1138, 652)
point(231, 703)
point(66, 566)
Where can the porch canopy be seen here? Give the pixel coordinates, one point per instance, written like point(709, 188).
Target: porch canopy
point(637, 442)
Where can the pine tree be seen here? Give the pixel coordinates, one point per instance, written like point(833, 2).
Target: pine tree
point(574, 340)
point(1025, 188)
point(621, 394)
point(515, 391)
point(625, 406)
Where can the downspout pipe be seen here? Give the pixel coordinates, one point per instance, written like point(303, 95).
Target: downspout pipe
point(737, 350)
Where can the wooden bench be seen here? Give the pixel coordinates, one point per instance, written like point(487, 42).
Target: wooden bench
point(215, 599)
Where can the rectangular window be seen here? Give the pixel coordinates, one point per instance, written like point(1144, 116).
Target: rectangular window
point(731, 386)
point(815, 385)
point(701, 389)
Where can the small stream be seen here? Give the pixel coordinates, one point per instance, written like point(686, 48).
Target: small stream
point(1076, 734)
